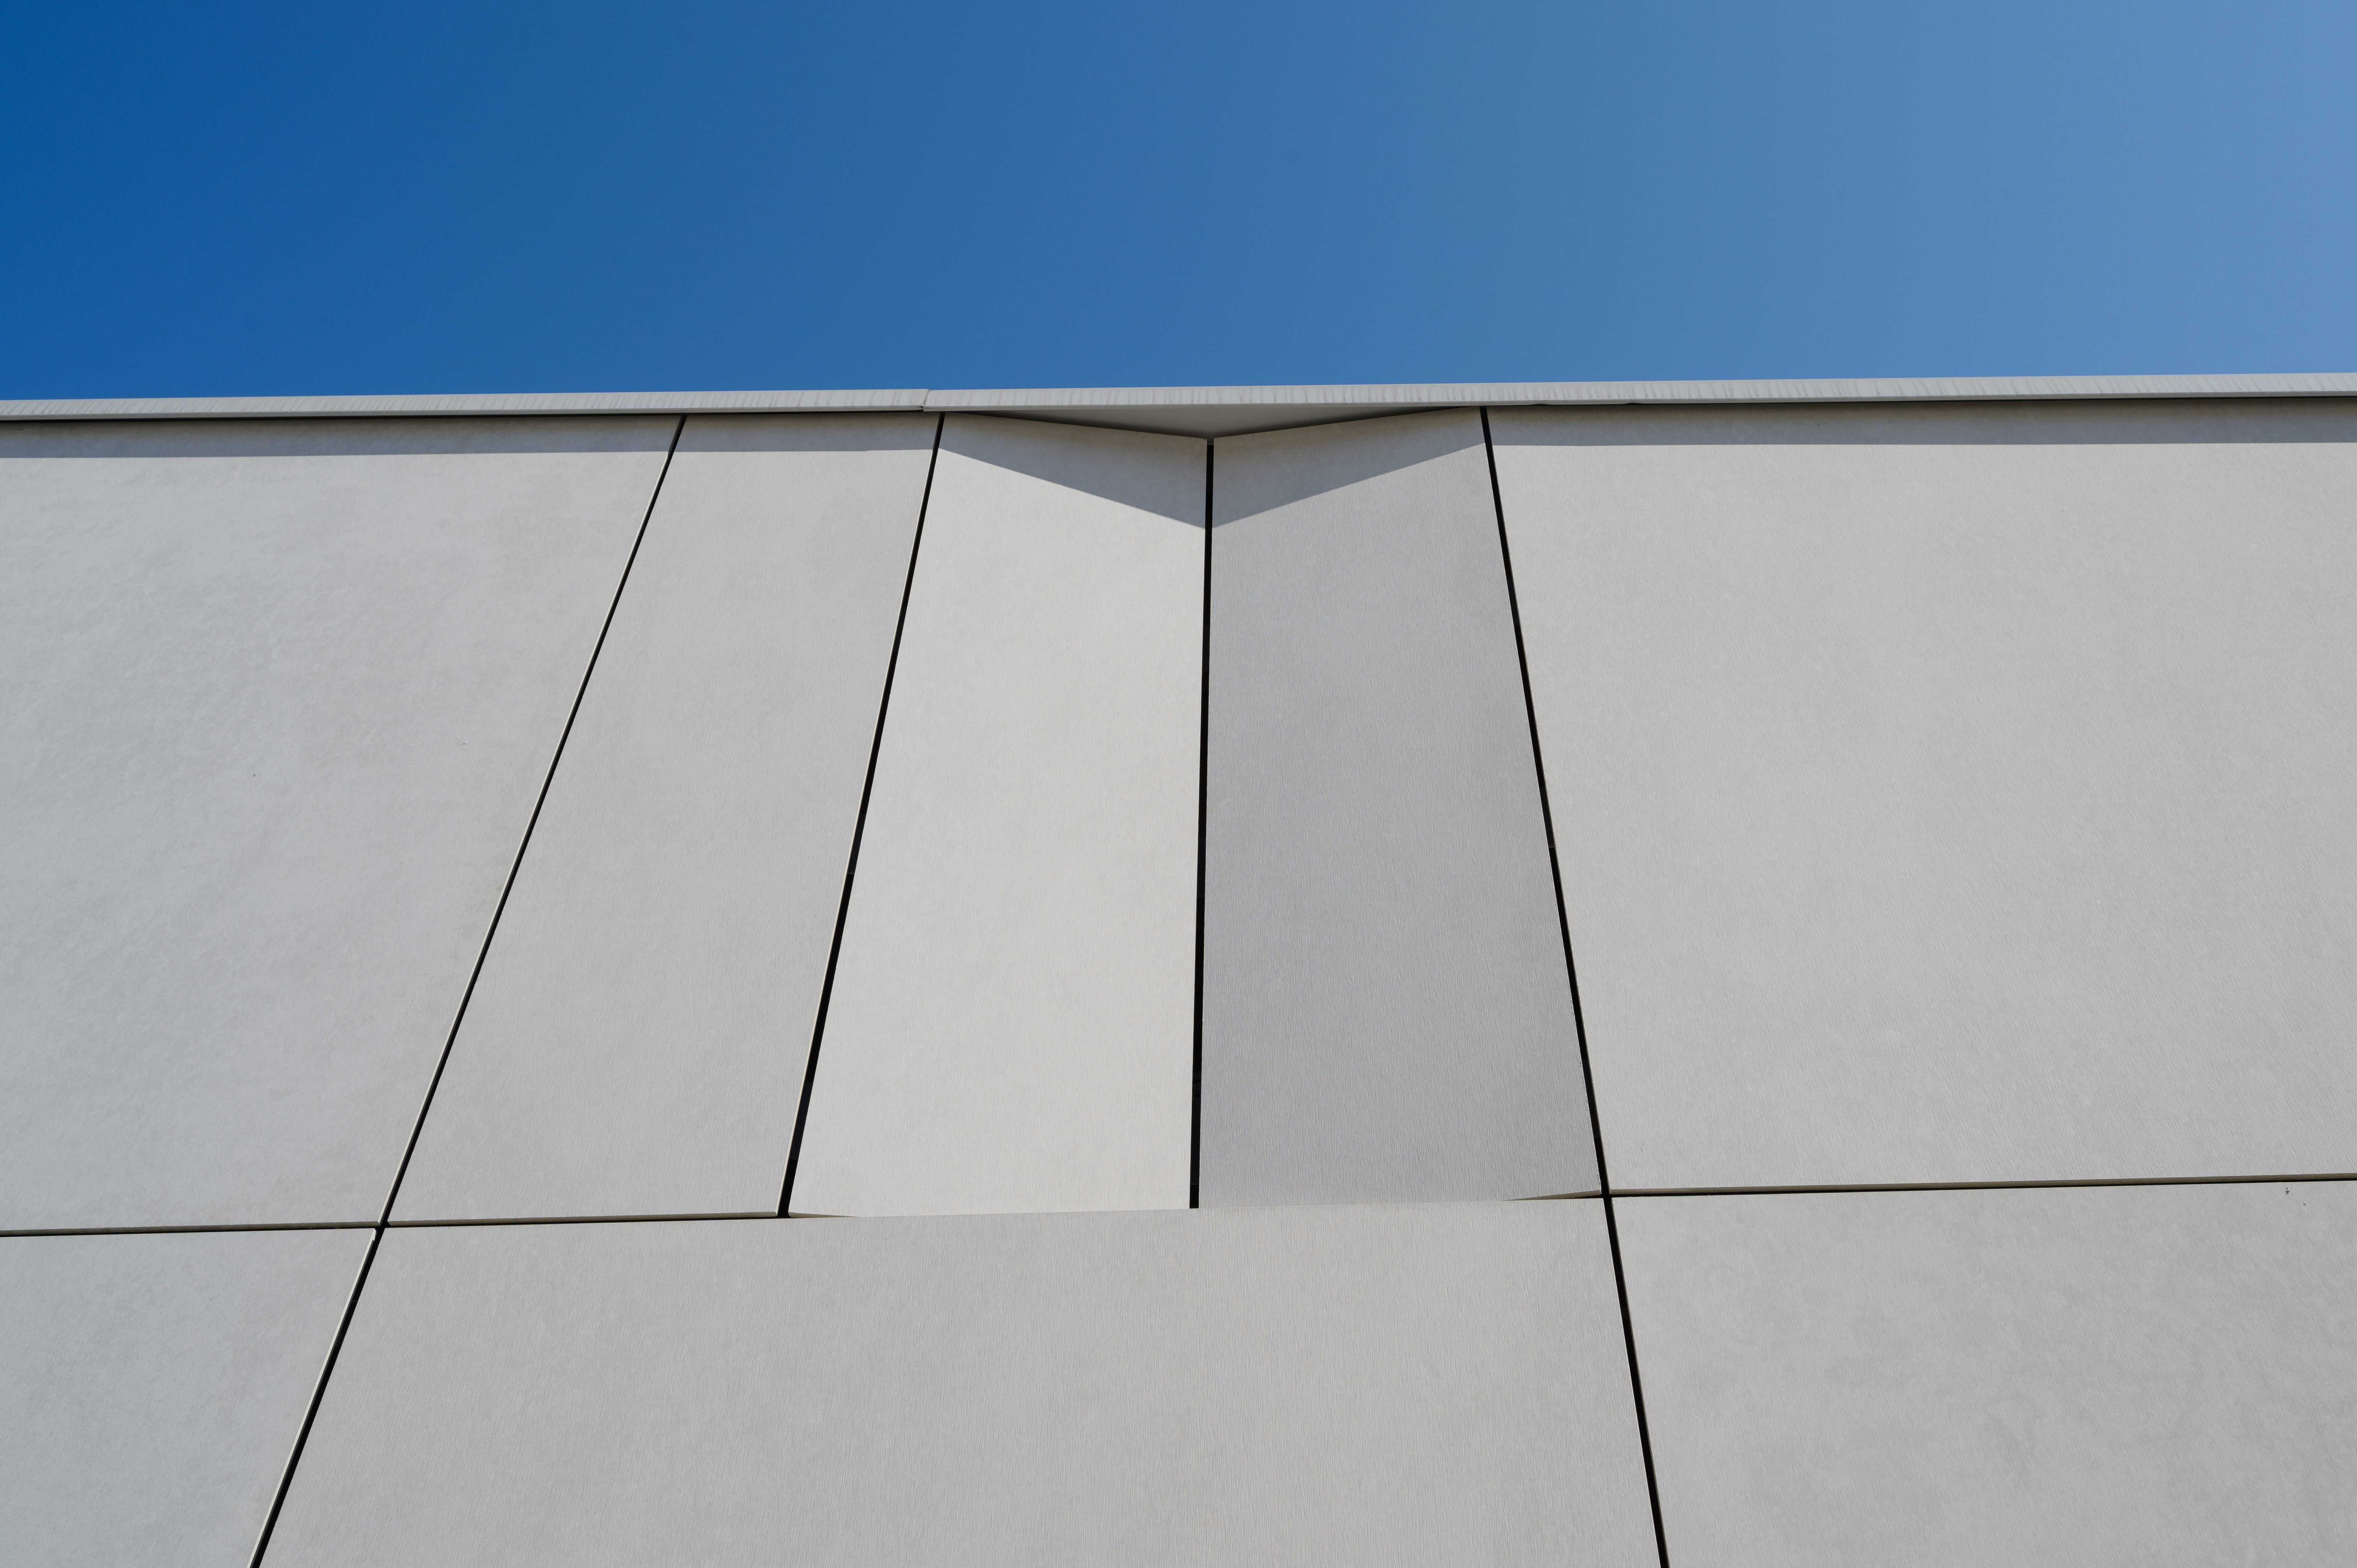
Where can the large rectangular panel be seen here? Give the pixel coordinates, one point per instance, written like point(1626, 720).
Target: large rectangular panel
point(154, 1387)
point(2067, 1376)
point(1012, 1022)
point(1386, 1014)
point(635, 1043)
point(1951, 794)
point(1412, 1386)
point(279, 700)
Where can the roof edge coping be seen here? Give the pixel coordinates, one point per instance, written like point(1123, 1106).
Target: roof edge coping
point(1050, 402)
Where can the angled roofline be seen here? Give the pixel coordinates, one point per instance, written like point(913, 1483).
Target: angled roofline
point(1197, 411)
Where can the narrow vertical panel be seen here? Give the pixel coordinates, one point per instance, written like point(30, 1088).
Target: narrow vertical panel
point(635, 1043)
point(1011, 1026)
point(279, 698)
point(1952, 793)
point(1387, 1013)
point(2121, 1375)
point(154, 1387)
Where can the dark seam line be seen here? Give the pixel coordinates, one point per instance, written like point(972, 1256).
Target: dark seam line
point(319, 1393)
point(225, 1229)
point(580, 1219)
point(1578, 1016)
point(858, 830)
point(2063, 1184)
point(2077, 1183)
point(1202, 844)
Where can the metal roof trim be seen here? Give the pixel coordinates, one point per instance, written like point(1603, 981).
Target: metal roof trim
point(1460, 393)
point(903, 400)
point(1096, 403)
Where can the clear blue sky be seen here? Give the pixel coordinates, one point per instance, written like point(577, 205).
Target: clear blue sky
point(428, 197)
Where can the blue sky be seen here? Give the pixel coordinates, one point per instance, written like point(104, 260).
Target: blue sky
point(325, 198)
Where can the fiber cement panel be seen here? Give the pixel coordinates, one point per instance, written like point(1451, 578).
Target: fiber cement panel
point(1387, 1013)
point(1012, 1026)
point(1951, 794)
point(635, 1043)
point(154, 1387)
point(2086, 1376)
point(279, 699)
point(1364, 1385)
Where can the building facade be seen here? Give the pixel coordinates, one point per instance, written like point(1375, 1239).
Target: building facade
point(1730, 973)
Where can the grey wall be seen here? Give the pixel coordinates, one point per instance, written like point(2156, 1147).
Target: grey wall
point(154, 1386)
point(1386, 1014)
point(280, 698)
point(2090, 1375)
point(635, 1043)
point(1951, 794)
point(1356, 1384)
point(1943, 795)
point(1013, 1021)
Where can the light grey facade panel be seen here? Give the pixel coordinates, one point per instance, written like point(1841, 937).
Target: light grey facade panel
point(1951, 796)
point(1386, 1012)
point(2090, 1375)
point(154, 1387)
point(636, 1042)
point(1375, 1385)
point(1012, 1022)
point(280, 698)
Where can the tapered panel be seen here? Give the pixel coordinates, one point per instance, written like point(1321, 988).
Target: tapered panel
point(1387, 1013)
point(1367, 1385)
point(155, 1386)
point(635, 1043)
point(2089, 1375)
point(1951, 794)
point(1012, 1022)
point(279, 700)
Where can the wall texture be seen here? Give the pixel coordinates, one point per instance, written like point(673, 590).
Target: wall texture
point(635, 1044)
point(1976, 799)
point(1386, 1011)
point(1177, 896)
point(280, 699)
point(1012, 1024)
